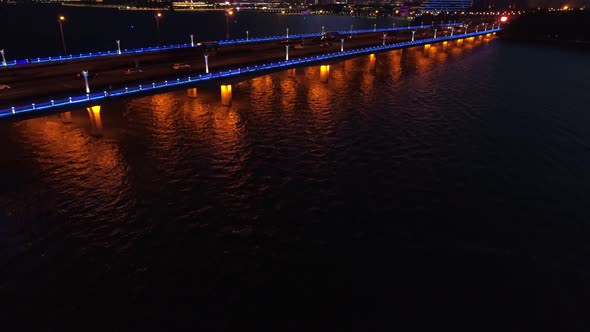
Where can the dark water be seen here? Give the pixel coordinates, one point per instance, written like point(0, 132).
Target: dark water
point(33, 31)
point(448, 187)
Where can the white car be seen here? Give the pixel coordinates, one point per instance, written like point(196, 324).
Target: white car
point(4, 87)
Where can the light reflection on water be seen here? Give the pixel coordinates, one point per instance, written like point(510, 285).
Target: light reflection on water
point(396, 156)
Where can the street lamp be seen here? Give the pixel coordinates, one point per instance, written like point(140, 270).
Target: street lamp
point(247, 35)
point(375, 27)
point(228, 13)
point(384, 36)
point(118, 47)
point(434, 33)
point(85, 74)
point(413, 32)
point(286, 52)
point(3, 58)
point(342, 45)
point(322, 30)
point(158, 15)
point(452, 30)
point(287, 33)
point(61, 30)
point(192, 40)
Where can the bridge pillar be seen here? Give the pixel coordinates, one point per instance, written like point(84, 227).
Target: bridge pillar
point(95, 121)
point(192, 92)
point(324, 73)
point(226, 95)
point(66, 117)
point(292, 72)
point(372, 62)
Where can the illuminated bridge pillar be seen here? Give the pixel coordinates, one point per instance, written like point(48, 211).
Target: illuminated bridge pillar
point(226, 95)
point(95, 121)
point(192, 92)
point(66, 117)
point(372, 62)
point(324, 73)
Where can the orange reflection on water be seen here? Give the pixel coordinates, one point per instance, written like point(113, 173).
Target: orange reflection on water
point(319, 94)
point(71, 159)
point(288, 88)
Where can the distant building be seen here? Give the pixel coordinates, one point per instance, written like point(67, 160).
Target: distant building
point(445, 5)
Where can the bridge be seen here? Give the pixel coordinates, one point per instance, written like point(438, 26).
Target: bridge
point(239, 61)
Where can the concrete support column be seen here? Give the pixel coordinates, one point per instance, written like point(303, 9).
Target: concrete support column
point(292, 72)
point(95, 121)
point(324, 73)
point(192, 92)
point(226, 95)
point(66, 117)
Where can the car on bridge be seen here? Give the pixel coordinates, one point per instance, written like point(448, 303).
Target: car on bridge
point(178, 66)
point(132, 71)
point(208, 47)
point(331, 35)
point(387, 37)
point(90, 75)
point(4, 87)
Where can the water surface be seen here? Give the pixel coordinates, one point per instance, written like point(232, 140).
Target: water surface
point(448, 185)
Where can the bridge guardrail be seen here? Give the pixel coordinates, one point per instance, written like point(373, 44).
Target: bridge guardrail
point(141, 88)
point(91, 55)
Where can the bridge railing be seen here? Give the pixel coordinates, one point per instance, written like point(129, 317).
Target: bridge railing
point(91, 55)
point(93, 98)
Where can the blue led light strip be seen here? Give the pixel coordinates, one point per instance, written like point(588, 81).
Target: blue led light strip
point(91, 55)
point(93, 98)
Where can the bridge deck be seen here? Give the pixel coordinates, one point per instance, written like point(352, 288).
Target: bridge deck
point(251, 62)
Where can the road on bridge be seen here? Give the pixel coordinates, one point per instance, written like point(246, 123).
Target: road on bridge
point(59, 80)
